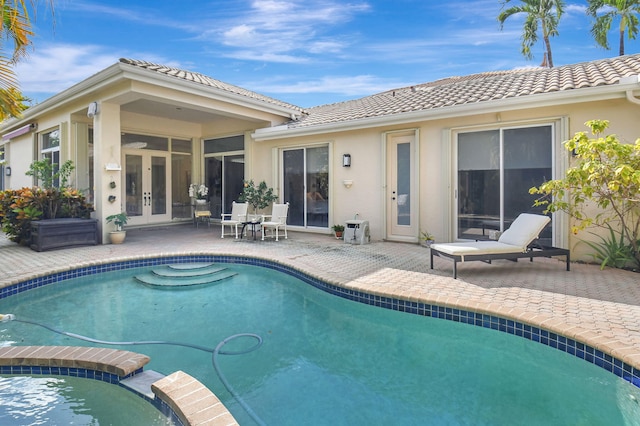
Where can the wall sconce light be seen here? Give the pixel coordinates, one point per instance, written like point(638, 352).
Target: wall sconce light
point(346, 160)
point(92, 111)
point(7, 171)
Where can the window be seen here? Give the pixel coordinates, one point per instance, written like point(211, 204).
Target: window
point(495, 169)
point(50, 149)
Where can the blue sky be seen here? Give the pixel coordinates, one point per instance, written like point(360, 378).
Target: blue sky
point(306, 52)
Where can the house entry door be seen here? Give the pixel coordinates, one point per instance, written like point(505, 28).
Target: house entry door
point(147, 188)
point(401, 199)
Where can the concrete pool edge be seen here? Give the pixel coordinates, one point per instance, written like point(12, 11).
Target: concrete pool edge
point(608, 353)
point(178, 396)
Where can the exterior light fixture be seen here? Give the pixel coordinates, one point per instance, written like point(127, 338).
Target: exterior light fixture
point(92, 110)
point(7, 171)
point(346, 160)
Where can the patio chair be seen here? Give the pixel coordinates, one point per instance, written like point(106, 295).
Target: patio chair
point(236, 218)
point(276, 220)
point(516, 242)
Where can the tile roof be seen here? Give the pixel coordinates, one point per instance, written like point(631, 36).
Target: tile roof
point(475, 88)
point(208, 81)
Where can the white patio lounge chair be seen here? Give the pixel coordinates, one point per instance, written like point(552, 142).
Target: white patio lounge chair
point(276, 220)
point(514, 243)
point(237, 216)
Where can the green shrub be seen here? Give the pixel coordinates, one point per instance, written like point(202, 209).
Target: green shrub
point(18, 207)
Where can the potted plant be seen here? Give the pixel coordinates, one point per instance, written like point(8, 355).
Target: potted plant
point(199, 192)
point(258, 197)
point(426, 239)
point(338, 230)
point(119, 220)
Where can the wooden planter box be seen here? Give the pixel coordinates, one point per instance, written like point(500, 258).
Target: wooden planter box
point(52, 234)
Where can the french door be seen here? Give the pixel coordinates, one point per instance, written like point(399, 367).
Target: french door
point(401, 199)
point(495, 169)
point(147, 188)
point(306, 186)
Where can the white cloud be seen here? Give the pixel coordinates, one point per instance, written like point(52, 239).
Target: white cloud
point(54, 68)
point(359, 85)
point(281, 30)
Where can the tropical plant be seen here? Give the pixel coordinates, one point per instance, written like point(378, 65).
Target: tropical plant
point(49, 175)
point(118, 219)
point(545, 13)
point(259, 196)
point(19, 207)
point(16, 29)
point(605, 11)
point(338, 228)
point(427, 236)
point(607, 176)
point(612, 250)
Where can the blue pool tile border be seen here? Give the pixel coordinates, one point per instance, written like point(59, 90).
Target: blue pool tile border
point(529, 332)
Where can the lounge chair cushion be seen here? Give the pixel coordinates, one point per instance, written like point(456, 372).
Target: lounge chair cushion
point(475, 247)
point(524, 230)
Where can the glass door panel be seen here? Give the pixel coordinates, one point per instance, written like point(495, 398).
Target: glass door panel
point(133, 184)
point(478, 183)
point(317, 184)
point(213, 173)
point(233, 181)
point(158, 193)
point(224, 177)
point(527, 163)
point(293, 188)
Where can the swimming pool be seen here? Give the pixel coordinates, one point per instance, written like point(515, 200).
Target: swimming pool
point(328, 360)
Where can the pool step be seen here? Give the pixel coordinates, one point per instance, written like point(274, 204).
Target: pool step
point(196, 265)
point(141, 382)
point(184, 275)
point(158, 281)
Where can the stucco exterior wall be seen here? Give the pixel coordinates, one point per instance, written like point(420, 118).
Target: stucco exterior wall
point(436, 161)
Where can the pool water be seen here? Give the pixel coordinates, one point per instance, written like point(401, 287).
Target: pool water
point(64, 400)
point(327, 360)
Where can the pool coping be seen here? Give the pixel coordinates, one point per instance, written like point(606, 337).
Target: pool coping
point(611, 355)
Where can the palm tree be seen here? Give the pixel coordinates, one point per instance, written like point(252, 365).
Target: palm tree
point(545, 13)
point(15, 27)
point(627, 10)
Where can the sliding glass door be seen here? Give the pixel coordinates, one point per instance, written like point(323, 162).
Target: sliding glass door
point(306, 186)
point(495, 169)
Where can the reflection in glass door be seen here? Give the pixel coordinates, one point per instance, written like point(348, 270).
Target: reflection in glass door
point(306, 186)
point(146, 187)
point(224, 177)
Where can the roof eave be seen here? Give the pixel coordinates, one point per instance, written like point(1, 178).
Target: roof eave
point(120, 71)
point(524, 102)
point(196, 88)
point(86, 86)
